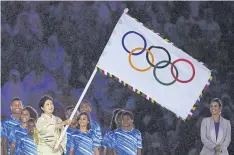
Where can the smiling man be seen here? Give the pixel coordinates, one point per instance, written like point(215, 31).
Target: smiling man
point(12, 121)
point(19, 131)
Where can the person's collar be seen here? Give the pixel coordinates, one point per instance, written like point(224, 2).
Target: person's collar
point(47, 116)
point(14, 118)
point(127, 130)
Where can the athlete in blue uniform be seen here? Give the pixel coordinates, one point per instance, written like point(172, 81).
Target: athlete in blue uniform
point(85, 107)
point(107, 139)
point(11, 122)
point(84, 139)
point(3, 140)
point(71, 129)
point(127, 140)
point(20, 130)
point(27, 145)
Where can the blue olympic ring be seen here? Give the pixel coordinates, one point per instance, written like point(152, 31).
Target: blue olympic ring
point(145, 44)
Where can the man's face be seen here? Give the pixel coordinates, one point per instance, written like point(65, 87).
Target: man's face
point(85, 107)
point(16, 107)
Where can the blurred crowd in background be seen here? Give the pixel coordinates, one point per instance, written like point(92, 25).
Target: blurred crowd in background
point(53, 47)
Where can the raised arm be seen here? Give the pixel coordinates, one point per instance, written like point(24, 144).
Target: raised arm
point(44, 126)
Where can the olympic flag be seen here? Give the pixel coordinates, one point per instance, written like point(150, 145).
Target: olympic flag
point(150, 66)
point(154, 67)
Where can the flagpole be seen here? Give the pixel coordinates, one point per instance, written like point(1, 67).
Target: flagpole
point(80, 99)
point(77, 105)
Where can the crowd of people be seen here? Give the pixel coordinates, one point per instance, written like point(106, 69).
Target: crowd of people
point(52, 48)
point(26, 133)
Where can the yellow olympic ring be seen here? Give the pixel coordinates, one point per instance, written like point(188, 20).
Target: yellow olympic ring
point(130, 61)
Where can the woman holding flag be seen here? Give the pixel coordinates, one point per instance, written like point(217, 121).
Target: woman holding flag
point(49, 128)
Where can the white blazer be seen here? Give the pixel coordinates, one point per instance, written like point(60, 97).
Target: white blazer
point(208, 136)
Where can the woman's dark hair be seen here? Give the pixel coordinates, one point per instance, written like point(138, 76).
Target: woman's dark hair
point(43, 100)
point(113, 124)
point(217, 100)
point(33, 113)
point(128, 113)
point(78, 118)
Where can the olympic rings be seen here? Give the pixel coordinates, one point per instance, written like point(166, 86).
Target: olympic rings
point(145, 44)
point(130, 61)
point(158, 65)
point(172, 65)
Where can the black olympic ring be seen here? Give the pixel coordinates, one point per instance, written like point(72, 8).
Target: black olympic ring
point(159, 47)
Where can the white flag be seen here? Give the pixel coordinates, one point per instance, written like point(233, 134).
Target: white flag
point(153, 67)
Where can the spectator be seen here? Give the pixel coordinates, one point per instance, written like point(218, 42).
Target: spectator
point(33, 21)
point(11, 89)
point(210, 28)
point(37, 83)
point(53, 58)
point(195, 44)
point(66, 97)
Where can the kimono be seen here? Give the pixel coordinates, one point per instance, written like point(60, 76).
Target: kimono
point(48, 135)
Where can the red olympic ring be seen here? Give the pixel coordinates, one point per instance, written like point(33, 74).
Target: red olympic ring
point(177, 79)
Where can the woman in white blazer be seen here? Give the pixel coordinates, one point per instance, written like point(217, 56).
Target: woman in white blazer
point(215, 131)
